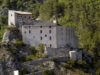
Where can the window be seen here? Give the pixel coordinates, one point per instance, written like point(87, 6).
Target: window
point(49, 31)
point(40, 26)
point(50, 38)
point(29, 31)
point(41, 38)
point(50, 45)
point(45, 35)
point(49, 26)
point(29, 17)
point(40, 31)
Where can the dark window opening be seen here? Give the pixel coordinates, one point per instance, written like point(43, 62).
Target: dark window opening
point(45, 35)
point(40, 31)
point(49, 26)
point(50, 38)
point(29, 31)
point(40, 26)
point(29, 17)
point(49, 31)
point(50, 45)
point(41, 37)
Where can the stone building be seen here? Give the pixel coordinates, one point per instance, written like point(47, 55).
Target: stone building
point(18, 18)
point(48, 34)
point(35, 32)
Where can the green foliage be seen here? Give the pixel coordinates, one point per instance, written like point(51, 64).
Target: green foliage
point(33, 50)
point(19, 43)
point(48, 72)
point(2, 30)
point(3, 20)
point(33, 57)
point(23, 71)
point(36, 53)
point(24, 5)
point(41, 48)
point(49, 9)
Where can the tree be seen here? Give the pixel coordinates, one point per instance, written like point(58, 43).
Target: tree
point(88, 25)
point(49, 9)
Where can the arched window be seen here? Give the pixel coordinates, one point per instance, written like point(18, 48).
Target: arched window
point(45, 35)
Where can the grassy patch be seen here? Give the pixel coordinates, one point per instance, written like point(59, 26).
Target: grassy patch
point(2, 30)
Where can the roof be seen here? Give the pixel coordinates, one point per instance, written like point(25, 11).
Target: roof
point(41, 23)
point(20, 12)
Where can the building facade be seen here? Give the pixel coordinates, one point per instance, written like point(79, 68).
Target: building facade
point(36, 32)
point(18, 18)
point(50, 36)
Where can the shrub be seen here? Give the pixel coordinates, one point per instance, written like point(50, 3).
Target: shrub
point(19, 43)
point(41, 48)
point(48, 72)
point(33, 49)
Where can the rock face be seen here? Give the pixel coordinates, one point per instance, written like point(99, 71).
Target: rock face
point(11, 34)
point(6, 64)
point(1, 69)
point(6, 37)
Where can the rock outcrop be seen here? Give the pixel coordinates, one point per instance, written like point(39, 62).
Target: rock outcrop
point(11, 34)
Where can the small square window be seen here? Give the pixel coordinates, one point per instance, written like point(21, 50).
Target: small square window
point(49, 31)
point(50, 38)
point(29, 31)
point(41, 38)
point(50, 45)
point(49, 26)
point(40, 26)
point(45, 35)
point(40, 31)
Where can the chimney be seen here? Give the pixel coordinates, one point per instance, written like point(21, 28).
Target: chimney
point(55, 21)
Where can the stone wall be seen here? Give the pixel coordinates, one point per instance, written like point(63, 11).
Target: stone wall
point(35, 35)
point(54, 36)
